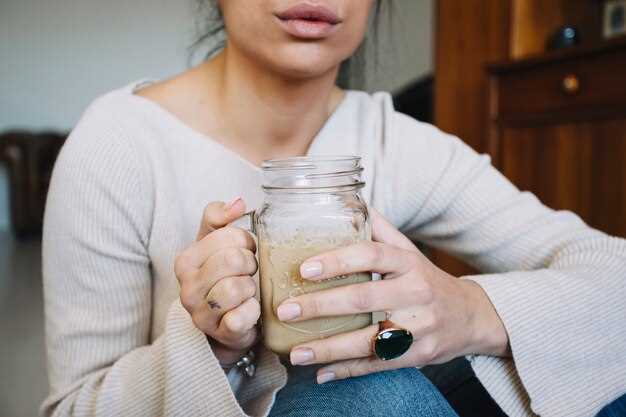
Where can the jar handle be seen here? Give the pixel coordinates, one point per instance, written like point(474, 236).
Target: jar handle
point(247, 221)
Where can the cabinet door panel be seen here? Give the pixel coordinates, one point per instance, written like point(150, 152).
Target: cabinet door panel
point(578, 167)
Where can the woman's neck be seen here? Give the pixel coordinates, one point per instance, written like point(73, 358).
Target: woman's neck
point(261, 115)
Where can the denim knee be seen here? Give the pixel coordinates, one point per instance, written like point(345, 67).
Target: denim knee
point(398, 393)
point(616, 409)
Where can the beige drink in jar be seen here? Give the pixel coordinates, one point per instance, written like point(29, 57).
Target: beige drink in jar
point(279, 266)
point(312, 205)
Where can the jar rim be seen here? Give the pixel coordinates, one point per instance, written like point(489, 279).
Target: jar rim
point(314, 190)
point(313, 174)
point(300, 162)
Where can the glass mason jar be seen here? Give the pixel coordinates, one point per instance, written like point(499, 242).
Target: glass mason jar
point(312, 205)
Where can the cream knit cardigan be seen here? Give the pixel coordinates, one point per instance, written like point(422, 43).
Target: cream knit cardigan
point(128, 192)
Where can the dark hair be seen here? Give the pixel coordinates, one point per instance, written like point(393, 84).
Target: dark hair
point(352, 72)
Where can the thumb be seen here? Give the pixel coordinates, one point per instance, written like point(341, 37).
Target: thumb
point(218, 214)
point(385, 232)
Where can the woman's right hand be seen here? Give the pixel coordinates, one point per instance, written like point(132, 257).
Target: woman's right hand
point(216, 284)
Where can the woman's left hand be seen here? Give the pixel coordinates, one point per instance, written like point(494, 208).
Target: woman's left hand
point(447, 316)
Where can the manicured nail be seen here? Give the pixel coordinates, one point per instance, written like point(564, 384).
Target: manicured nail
point(232, 204)
point(289, 311)
point(301, 356)
point(311, 269)
point(325, 377)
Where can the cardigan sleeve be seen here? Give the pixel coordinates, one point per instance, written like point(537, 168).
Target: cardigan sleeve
point(558, 285)
point(97, 289)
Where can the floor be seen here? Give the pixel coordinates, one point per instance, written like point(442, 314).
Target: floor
point(23, 380)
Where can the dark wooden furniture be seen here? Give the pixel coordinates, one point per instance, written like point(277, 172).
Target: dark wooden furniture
point(468, 35)
point(558, 129)
point(29, 159)
point(539, 155)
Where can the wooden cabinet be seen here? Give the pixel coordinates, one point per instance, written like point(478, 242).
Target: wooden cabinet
point(554, 122)
point(558, 129)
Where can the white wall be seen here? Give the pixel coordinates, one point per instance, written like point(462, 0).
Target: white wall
point(405, 46)
point(58, 55)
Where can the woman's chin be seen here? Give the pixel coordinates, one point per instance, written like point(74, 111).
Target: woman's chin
point(302, 63)
point(304, 73)
point(305, 70)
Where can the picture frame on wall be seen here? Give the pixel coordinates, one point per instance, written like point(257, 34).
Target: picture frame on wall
point(614, 20)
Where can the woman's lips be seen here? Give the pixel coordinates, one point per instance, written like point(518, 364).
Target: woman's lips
point(308, 21)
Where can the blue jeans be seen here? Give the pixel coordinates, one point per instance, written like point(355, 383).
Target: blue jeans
point(401, 393)
point(616, 409)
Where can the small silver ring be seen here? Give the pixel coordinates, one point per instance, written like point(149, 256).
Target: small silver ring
point(246, 364)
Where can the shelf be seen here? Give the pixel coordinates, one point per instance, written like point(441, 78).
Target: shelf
point(557, 56)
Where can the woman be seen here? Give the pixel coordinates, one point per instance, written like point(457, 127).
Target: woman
point(127, 270)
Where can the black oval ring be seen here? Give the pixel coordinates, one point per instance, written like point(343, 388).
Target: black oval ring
point(391, 343)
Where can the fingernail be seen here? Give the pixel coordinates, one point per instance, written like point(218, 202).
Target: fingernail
point(230, 205)
point(311, 269)
point(325, 377)
point(289, 311)
point(301, 356)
